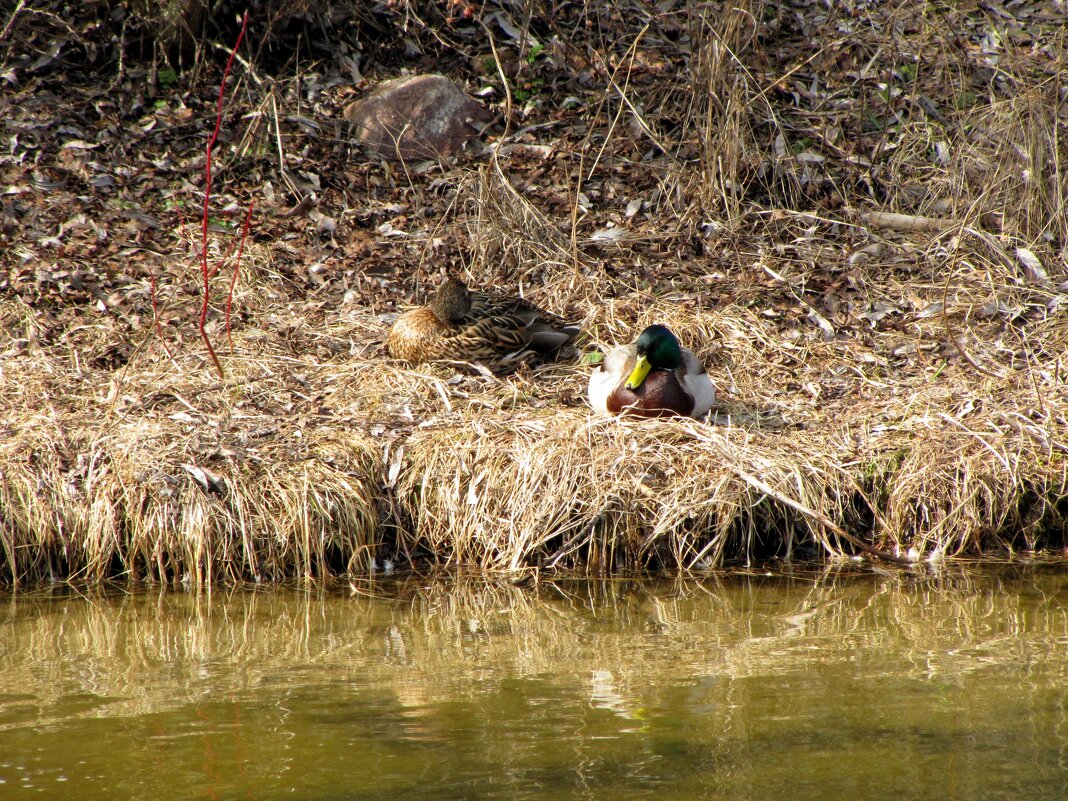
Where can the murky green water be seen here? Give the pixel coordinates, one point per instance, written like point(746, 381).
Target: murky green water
point(825, 686)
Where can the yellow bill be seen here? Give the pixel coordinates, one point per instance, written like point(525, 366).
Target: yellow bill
point(638, 374)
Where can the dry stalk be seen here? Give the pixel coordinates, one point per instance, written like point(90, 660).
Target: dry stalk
point(512, 240)
point(721, 108)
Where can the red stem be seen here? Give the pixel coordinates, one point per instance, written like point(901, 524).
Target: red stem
point(222, 260)
point(155, 320)
point(237, 269)
point(207, 198)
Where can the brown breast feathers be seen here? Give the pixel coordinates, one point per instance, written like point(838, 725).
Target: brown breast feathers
point(660, 395)
point(416, 335)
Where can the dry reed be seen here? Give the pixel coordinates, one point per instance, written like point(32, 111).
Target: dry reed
point(888, 336)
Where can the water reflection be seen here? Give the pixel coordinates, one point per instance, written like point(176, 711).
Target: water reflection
point(836, 684)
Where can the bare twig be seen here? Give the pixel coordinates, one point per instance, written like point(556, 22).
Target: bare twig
point(909, 222)
point(11, 19)
point(205, 274)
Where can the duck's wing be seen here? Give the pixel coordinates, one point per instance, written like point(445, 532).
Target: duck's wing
point(617, 364)
point(490, 304)
point(493, 339)
point(517, 323)
point(697, 384)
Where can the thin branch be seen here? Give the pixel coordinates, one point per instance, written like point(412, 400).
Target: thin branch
point(205, 273)
point(237, 269)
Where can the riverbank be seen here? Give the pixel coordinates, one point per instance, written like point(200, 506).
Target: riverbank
point(309, 461)
point(875, 279)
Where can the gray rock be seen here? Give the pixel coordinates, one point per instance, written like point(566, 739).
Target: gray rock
point(416, 117)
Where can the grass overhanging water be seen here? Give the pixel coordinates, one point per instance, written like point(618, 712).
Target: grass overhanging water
point(886, 326)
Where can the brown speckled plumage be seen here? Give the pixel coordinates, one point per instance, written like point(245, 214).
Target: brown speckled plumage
point(460, 325)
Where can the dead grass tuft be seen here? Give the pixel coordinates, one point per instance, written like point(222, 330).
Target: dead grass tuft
point(855, 221)
point(513, 241)
point(310, 461)
point(165, 473)
point(722, 91)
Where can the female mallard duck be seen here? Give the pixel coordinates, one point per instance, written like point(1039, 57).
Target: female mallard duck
point(464, 326)
point(653, 377)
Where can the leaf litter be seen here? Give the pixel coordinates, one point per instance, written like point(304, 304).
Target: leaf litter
point(852, 214)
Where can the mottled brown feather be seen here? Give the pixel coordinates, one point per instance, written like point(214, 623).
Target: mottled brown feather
point(460, 325)
point(418, 336)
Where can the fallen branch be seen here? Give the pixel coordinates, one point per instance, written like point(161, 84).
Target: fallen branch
point(909, 222)
point(11, 20)
point(823, 520)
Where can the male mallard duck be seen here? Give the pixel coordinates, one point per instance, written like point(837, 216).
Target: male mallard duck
point(653, 377)
point(461, 325)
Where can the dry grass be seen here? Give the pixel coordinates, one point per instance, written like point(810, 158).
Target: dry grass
point(895, 385)
point(303, 466)
point(161, 469)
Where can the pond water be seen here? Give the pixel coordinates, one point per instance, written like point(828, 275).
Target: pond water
point(827, 685)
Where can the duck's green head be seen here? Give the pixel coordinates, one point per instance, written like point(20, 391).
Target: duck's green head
point(657, 348)
point(452, 301)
